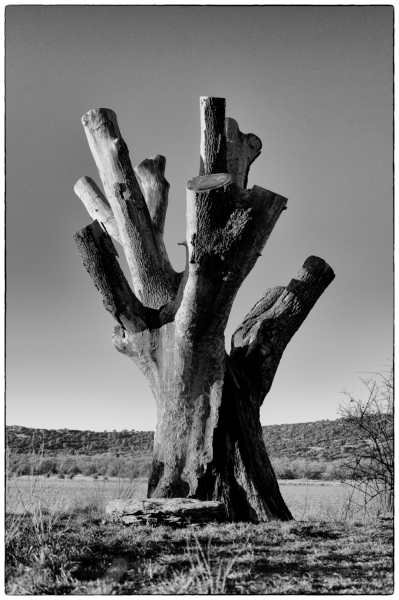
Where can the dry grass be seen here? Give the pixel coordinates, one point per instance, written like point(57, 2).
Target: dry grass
point(27, 493)
point(65, 545)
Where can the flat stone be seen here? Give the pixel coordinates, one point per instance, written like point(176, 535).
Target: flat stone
point(166, 511)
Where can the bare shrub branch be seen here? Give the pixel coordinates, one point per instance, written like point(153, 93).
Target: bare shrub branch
point(370, 467)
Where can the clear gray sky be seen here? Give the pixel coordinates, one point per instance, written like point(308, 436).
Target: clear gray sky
point(314, 83)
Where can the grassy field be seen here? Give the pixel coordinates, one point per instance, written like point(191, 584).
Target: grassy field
point(28, 493)
point(59, 541)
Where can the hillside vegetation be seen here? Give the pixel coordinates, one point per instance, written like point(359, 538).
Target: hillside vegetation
point(320, 440)
point(301, 450)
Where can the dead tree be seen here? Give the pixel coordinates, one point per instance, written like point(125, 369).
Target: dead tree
point(208, 441)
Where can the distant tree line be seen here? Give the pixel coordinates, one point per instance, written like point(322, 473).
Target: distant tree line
point(301, 468)
point(69, 466)
point(130, 467)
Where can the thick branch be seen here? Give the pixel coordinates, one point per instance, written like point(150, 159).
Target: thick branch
point(259, 342)
point(153, 280)
point(156, 189)
point(213, 139)
point(99, 257)
point(227, 229)
point(97, 205)
point(242, 150)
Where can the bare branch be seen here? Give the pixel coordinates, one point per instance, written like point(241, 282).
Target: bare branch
point(259, 342)
point(213, 138)
point(370, 466)
point(97, 205)
point(99, 257)
point(223, 148)
point(152, 279)
point(227, 229)
point(156, 189)
point(242, 150)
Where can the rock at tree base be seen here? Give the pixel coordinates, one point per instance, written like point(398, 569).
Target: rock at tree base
point(166, 511)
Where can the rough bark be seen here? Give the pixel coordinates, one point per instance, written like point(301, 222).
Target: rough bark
point(241, 474)
point(242, 149)
point(100, 259)
point(208, 441)
point(156, 190)
point(259, 342)
point(223, 147)
point(213, 158)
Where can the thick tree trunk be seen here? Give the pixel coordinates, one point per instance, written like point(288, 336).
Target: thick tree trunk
point(208, 441)
point(235, 467)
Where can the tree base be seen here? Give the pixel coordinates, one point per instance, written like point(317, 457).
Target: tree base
point(240, 473)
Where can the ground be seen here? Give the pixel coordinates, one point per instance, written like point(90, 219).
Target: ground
point(77, 550)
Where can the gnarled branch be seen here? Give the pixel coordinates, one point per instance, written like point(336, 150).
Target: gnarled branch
point(258, 343)
point(153, 280)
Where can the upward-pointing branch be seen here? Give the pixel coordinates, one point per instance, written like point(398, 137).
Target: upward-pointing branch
point(99, 257)
point(242, 150)
point(227, 229)
point(151, 172)
point(223, 147)
point(213, 139)
point(156, 190)
point(97, 205)
point(259, 342)
point(153, 279)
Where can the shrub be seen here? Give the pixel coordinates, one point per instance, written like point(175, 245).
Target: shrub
point(369, 467)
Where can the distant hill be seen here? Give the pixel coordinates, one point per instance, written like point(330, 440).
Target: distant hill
point(53, 442)
point(320, 440)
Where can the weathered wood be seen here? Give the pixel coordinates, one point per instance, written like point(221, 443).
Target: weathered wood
point(208, 442)
point(156, 190)
point(151, 173)
point(258, 343)
point(166, 511)
point(213, 139)
point(99, 257)
point(242, 149)
point(227, 229)
point(240, 473)
point(153, 280)
point(97, 205)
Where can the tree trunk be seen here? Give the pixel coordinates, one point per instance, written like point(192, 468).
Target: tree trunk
point(208, 442)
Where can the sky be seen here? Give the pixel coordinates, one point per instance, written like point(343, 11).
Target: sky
point(314, 83)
